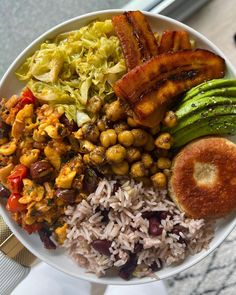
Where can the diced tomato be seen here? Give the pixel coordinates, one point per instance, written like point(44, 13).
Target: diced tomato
point(26, 97)
point(13, 204)
point(15, 184)
point(32, 228)
point(16, 177)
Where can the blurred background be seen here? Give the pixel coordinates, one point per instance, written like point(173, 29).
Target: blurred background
point(21, 21)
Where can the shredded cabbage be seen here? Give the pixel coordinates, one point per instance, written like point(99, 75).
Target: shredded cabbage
point(75, 66)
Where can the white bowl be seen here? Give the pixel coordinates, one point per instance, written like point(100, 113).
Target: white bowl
point(10, 85)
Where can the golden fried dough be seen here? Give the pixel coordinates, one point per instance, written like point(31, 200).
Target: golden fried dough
point(203, 181)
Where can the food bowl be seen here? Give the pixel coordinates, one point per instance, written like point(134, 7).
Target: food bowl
point(57, 258)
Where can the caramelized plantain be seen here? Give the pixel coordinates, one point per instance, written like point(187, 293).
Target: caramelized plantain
point(128, 41)
point(136, 37)
point(143, 33)
point(174, 41)
point(153, 86)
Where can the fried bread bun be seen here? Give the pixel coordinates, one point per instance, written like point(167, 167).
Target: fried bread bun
point(203, 180)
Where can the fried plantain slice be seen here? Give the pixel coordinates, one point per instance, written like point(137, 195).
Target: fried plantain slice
point(143, 33)
point(136, 37)
point(174, 41)
point(129, 44)
point(153, 86)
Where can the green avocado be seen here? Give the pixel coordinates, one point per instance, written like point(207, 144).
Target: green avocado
point(192, 106)
point(207, 86)
point(200, 114)
point(207, 109)
point(220, 125)
point(228, 92)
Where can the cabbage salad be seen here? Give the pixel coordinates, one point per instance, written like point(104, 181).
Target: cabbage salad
point(75, 66)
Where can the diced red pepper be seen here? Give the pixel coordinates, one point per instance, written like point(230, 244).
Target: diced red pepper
point(16, 177)
point(26, 97)
point(32, 228)
point(13, 204)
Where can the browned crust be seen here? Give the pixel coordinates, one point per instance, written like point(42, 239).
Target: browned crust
point(174, 41)
point(150, 74)
point(144, 33)
point(136, 38)
point(130, 48)
point(205, 201)
point(159, 81)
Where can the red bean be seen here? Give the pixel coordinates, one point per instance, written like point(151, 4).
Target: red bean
point(128, 268)
point(148, 214)
point(102, 246)
point(138, 247)
point(44, 235)
point(67, 195)
point(155, 228)
point(176, 230)
point(91, 180)
point(4, 192)
point(41, 171)
point(70, 125)
point(165, 214)
point(156, 265)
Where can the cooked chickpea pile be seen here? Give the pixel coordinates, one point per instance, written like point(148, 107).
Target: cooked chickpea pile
point(116, 144)
point(63, 162)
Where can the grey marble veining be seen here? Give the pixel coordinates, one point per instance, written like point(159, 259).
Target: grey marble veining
point(214, 275)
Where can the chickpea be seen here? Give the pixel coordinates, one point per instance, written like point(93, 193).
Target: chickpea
point(131, 122)
point(116, 153)
point(170, 119)
point(90, 131)
point(138, 170)
point(114, 111)
point(120, 168)
point(121, 126)
point(126, 138)
point(86, 159)
point(94, 104)
point(133, 154)
point(159, 180)
point(97, 156)
point(140, 137)
point(108, 138)
point(86, 146)
point(147, 160)
point(103, 124)
point(149, 146)
point(164, 141)
point(163, 163)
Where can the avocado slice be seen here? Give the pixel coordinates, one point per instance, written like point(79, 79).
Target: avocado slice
point(189, 108)
point(209, 85)
point(223, 125)
point(199, 115)
point(224, 92)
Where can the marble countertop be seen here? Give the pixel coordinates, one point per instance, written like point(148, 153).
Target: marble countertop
point(22, 21)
